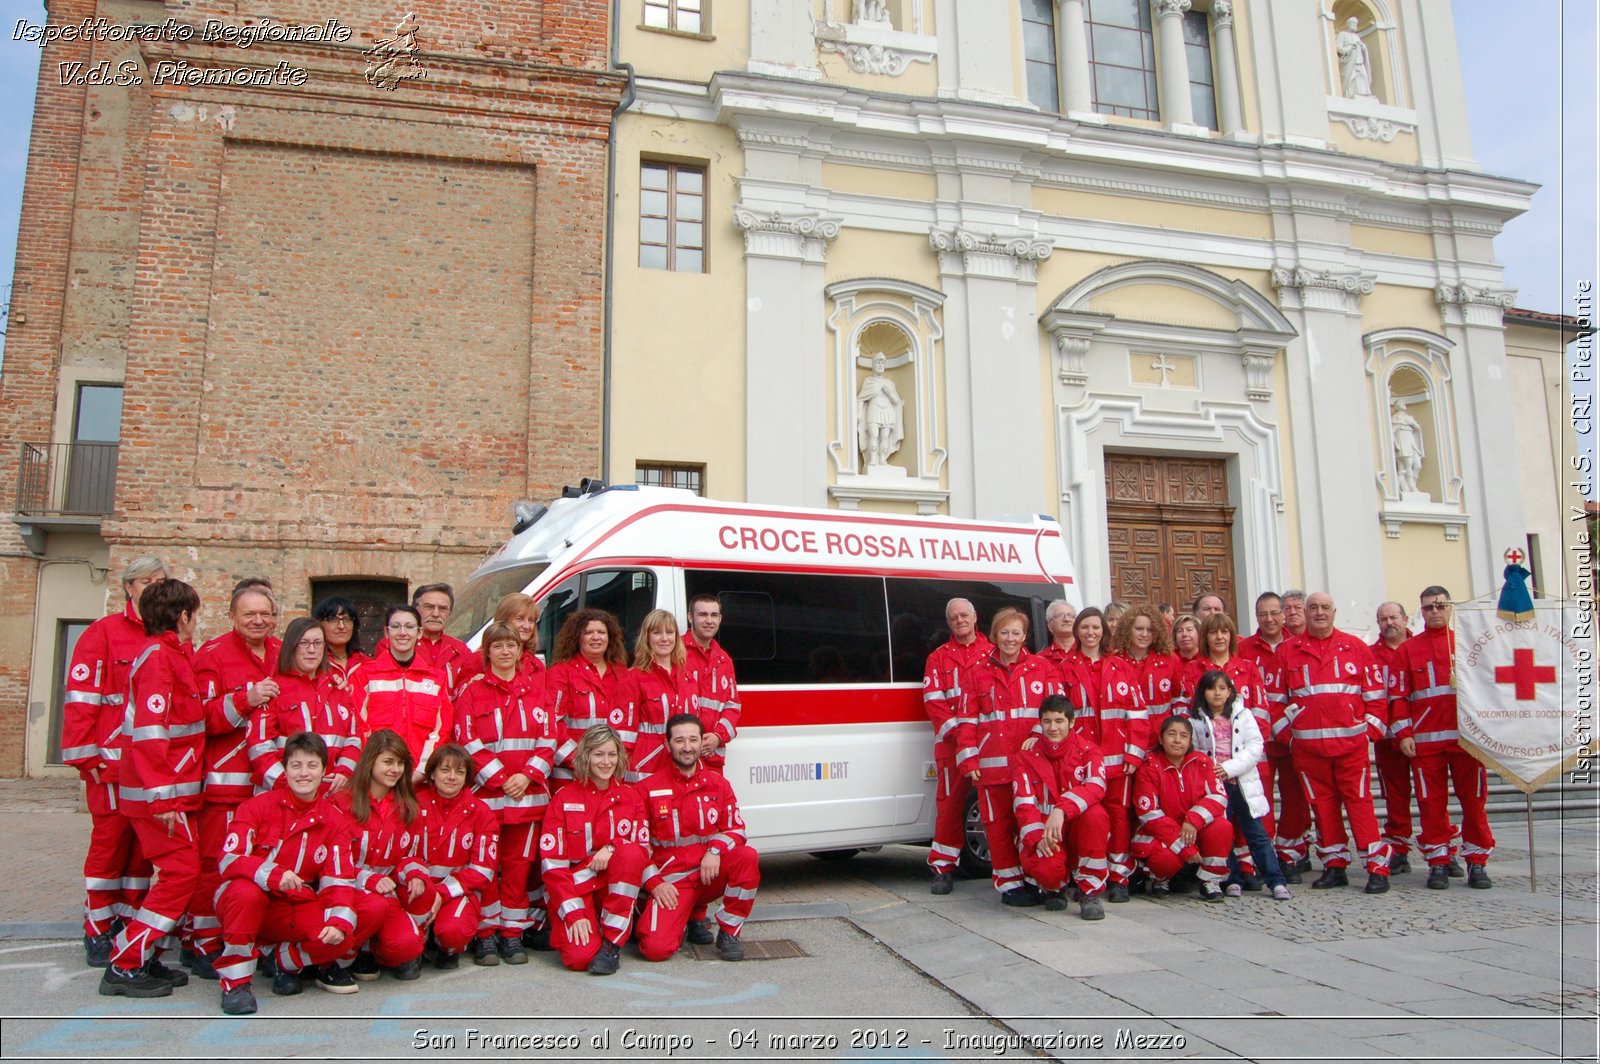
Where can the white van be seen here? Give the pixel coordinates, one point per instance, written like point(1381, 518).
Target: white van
point(828, 616)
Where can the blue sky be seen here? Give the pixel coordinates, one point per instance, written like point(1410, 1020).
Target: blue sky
point(1530, 74)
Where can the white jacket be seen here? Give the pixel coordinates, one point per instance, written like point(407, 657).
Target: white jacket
point(1248, 752)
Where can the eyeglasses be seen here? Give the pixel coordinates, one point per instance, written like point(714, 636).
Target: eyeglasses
point(402, 628)
point(342, 621)
point(311, 644)
point(1432, 607)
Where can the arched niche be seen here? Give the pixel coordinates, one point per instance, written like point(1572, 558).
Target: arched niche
point(1408, 372)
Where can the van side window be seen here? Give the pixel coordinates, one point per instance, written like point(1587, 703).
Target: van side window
point(800, 628)
point(627, 594)
point(917, 606)
point(557, 606)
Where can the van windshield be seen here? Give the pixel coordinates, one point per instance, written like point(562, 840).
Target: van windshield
point(475, 603)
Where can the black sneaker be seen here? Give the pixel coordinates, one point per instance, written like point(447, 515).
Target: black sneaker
point(605, 962)
point(511, 949)
point(132, 982)
point(1303, 865)
point(537, 938)
point(287, 984)
point(97, 949)
point(699, 932)
point(729, 948)
point(365, 969)
point(336, 980)
point(202, 965)
point(1021, 897)
point(1252, 883)
point(1054, 901)
point(1438, 877)
point(174, 977)
point(1399, 864)
point(445, 961)
point(1377, 883)
point(1291, 873)
point(1159, 888)
point(1455, 869)
point(1089, 908)
point(1117, 893)
point(943, 883)
point(411, 969)
point(1478, 877)
point(1330, 877)
point(484, 953)
point(240, 1001)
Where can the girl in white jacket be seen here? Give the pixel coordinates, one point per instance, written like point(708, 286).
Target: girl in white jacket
point(1226, 730)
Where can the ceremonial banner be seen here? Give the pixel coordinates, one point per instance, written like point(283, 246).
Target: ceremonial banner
point(1525, 689)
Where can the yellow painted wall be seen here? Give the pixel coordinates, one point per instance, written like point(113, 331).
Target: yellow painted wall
point(678, 370)
point(1185, 217)
point(1065, 268)
point(1392, 241)
point(1396, 307)
point(665, 54)
point(1167, 304)
point(873, 181)
point(1244, 57)
point(1422, 556)
point(864, 253)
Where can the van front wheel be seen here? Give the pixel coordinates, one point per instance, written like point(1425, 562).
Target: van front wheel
point(834, 855)
point(974, 862)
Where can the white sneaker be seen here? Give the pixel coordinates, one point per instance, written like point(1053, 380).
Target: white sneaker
point(1233, 890)
point(1281, 893)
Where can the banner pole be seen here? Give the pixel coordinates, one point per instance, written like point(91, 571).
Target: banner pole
point(1532, 886)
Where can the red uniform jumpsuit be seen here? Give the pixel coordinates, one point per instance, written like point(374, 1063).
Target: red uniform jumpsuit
point(227, 670)
point(580, 698)
point(455, 660)
point(691, 816)
point(1167, 796)
point(999, 710)
point(583, 820)
point(412, 700)
point(1426, 712)
point(1069, 776)
point(717, 691)
point(1291, 835)
point(942, 676)
point(1337, 702)
point(115, 873)
point(346, 675)
point(161, 771)
point(1254, 696)
point(1394, 768)
point(459, 840)
point(508, 731)
point(662, 696)
point(1160, 679)
point(304, 705)
point(1111, 712)
point(274, 834)
point(382, 847)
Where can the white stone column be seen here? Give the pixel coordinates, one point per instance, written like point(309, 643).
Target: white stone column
point(1173, 65)
point(992, 354)
point(1230, 116)
point(1072, 56)
point(786, 458)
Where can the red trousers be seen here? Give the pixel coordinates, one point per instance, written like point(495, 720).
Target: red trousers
point(395, 926)
point(205, 932)
point(115, 873)
point(1435, 771)
point(1394, 776)
point(176, 858)
point(508, 908)
point(1294, 810)
point(1119, 822)
point(459, 921)
point(1000, 827)
point(1083, 852)
point(1165, 856)
point(252, 918)
point(1338, 787)
point(661, 929)
point(949, 812)
point(617, 892)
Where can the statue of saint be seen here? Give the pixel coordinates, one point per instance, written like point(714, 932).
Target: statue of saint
point(1408, 449)
point(872, 11)
point(880, 416)
point(1355, 65)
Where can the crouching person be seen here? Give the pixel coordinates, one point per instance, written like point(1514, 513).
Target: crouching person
point(288, 881)
point(1058, 784)
point(699, 852)
point(1183, 812)
point(393, 896)
point(594, 848)
point(458, 840)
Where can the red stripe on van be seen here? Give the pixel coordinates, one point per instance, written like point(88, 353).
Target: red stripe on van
point(822, 705)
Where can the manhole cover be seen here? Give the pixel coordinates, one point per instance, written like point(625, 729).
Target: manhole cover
point(776, 949)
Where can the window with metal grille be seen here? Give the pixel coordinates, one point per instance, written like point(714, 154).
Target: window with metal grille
point(1122, 58)
point(672, 211)
point(671, 475)
point(1202, 82)
point(1039, 50)
point(685, 16)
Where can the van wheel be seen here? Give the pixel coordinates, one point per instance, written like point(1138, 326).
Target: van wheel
point(834, 855)
point(974, 862)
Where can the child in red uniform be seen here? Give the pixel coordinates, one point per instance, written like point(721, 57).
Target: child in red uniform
point(1183, 811)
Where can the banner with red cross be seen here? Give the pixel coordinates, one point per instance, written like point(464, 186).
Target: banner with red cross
point(1520, 705)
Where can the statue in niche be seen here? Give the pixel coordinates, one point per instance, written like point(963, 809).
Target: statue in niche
point(1408, 449)
point(880, 415)
point(1355, 64)
point(873, 12)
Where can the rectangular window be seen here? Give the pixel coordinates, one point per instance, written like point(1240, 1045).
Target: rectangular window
point(671, 475)
point(627, 594)
point(372, 597)
point(1122, 58)
point(1039, 49)
point(672, 212)
point(1202, 82)
point(92, 462)
point(917, 625)
point(685, 16)
point(67, 635)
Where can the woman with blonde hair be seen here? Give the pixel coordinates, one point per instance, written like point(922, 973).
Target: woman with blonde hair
point(595, 849)
point(1186, 637)
point(666, 688)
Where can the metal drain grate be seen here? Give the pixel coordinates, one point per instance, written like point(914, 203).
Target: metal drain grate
point(775, 949)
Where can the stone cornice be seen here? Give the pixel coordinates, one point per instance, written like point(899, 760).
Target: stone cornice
point(1466, 294)
point(1350, 283)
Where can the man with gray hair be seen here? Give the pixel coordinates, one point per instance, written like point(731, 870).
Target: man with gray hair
point(942, 676)
point(1059, 618)
point(1294, 611)
point(115, 873)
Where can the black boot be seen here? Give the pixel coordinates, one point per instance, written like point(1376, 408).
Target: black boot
point(943, 883)
point(132, 982)
point(605, 962)
point(1438, 877)
point(1330, 877)
point(1377, 883)
point(97, 949)
point(1478, 877)
point(240, 1001)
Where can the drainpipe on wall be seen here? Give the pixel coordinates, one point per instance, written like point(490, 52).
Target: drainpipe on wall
point(610, 209)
